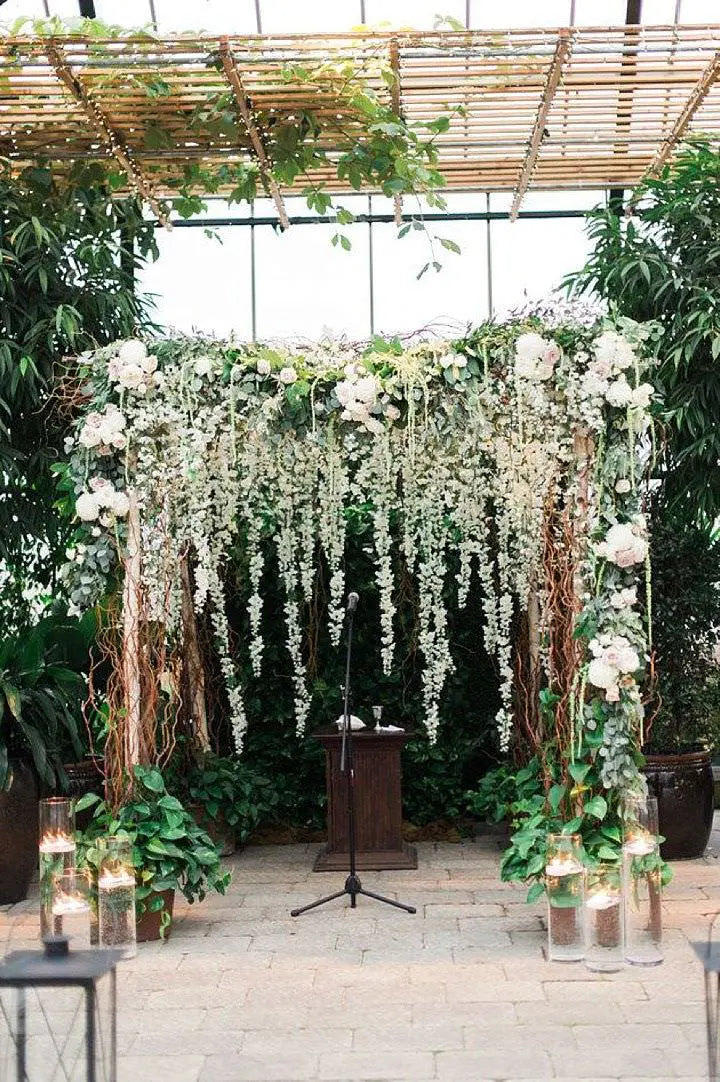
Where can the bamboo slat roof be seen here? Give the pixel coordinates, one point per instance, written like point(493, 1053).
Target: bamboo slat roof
point(542, 108)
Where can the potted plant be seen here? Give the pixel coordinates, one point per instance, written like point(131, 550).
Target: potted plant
point(170, 851)
point(684, 719)
point(37, 727)
point(227, 797)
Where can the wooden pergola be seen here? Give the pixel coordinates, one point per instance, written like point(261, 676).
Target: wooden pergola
point(563, 108)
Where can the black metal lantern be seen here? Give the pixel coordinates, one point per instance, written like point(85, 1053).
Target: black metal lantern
point(709, 954)
point(60, 1011)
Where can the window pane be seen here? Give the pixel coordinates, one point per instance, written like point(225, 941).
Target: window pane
point(123, 12)
point(415, 14)
point(699, 11)
point(15, 9)
point(308, 288)
point(455, 295)
point(531, 257)
point(215, 16)
point(202, 284)
point(320, 16)
point(518, 13)
point(609, 13)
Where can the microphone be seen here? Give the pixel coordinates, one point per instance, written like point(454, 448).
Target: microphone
point(352, 601)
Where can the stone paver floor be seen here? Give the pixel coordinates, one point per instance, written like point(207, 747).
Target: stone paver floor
point(461, 991)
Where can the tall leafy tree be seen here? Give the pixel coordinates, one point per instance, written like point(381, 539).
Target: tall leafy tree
point(661, 260)
point(70, 250)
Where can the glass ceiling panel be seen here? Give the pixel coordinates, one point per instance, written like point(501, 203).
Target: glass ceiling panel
point(309, 16)
point(215, 16)
point(608, 13)
point(699, 11)
point(487, 14)
point(14, 9)
point(418, 14)
point(125, 13)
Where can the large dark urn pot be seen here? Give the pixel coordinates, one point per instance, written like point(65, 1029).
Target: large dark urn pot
point(18, 835)
point(683, 785)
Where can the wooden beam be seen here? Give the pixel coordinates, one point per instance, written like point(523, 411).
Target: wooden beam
point(105, 131)
point(244, 109)
point(395, 101)
point(562, 51)
point(697, 97)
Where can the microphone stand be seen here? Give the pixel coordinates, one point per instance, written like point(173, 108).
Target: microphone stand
point(353, 886)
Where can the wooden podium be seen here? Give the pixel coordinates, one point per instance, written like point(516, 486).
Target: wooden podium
point(378, 802)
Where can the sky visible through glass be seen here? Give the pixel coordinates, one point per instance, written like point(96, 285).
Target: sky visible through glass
point(257, 281)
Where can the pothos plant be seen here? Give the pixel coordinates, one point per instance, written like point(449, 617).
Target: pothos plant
point(170, 850)
point(466, 447)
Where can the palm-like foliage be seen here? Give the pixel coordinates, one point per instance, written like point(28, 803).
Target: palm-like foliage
point(41, 692)
point(69, 251)
point(662, 262)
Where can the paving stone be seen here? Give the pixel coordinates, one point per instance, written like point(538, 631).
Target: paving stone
point(276, 1067)
point(487, 1066)
point(362, 1066)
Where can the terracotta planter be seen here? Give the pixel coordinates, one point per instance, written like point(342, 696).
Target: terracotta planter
point(148, 925)
point(18, 835)
point(683, 785)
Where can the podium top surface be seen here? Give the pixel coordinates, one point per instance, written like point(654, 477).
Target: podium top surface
point(331, 733)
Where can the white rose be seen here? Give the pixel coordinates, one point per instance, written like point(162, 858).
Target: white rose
point(525, 366)
point(149, 364)
point(641, 396)
point(601, 367)
point(87, 507)
point(203, 366)
point(628, 660)
point(287, 375)
point(90, 436)
point(132, 352)
point(612, 694)
point(120, 504)
point(264, 367)
point(374, 425)
point(366, 389)
point(624, 547)
point(624, 599)
point(392, 412)
point(530, 346)
point(593, 385)
point(544, 369)
point(619, 393)
point(119, 441)
point(601, 674)
point(131, 376)
point(345, 392)
point(623, 486)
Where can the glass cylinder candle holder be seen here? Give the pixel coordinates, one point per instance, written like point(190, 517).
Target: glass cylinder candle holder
point(71, 908)
point(116, 895)
point(565, 886)
point(642, 884)
point(57, 853)
point(604, 939)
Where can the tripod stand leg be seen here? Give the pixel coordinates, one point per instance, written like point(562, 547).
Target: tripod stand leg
point(314, 905)
point(388, 901)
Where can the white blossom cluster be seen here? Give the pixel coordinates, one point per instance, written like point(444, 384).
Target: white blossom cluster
point(454, 448)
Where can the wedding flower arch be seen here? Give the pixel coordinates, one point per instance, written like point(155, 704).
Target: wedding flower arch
point(518, 450)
